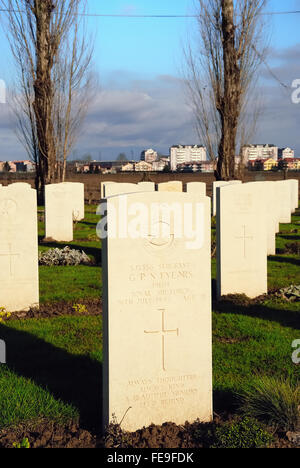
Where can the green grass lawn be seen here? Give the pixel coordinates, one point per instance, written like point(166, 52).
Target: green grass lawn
point(54, 365)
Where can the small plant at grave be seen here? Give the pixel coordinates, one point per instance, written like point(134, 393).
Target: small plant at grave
point(273, 401)
point(4, 314)
point(80, 308)
point(291, 293)
point(24, 444)
point(114, 436)
point(64, 257)
point(244, 433)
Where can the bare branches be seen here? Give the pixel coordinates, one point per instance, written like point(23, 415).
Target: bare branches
point(53, 59)
point(220, 75)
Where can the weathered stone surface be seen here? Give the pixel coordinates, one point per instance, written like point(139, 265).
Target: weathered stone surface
point(157, 314)
point(241, 241)
point(58, 213)
point(77, 199)
point(199, 188)
point(172, 186)
point(18, 248)
point(220, 183)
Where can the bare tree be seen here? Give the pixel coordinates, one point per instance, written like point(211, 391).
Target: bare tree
point(221, 74)
point(52, 93)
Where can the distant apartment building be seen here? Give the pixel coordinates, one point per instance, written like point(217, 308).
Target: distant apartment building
point(255, 152)
point(185, 154)
point(149, 156)
point(286, 153)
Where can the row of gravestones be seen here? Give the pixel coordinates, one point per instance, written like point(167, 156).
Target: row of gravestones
point(156, 288)
point(157, 292)
point(19, 278)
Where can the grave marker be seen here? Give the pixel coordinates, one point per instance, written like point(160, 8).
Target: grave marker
point(241, 241)
point(172, 186)
point(157, 314)
point(197, 188)
point(220, 183)
point(58, 213)
point(18, 248)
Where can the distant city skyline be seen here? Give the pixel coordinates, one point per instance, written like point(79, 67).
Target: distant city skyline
point(141, 102)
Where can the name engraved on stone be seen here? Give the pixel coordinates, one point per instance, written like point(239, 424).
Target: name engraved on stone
point(163, 333)
point(243, 203)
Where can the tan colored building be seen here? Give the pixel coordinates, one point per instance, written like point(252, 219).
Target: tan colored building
point(129, 167)
point(143, 166)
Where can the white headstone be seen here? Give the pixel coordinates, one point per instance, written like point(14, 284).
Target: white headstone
point(197, 188)
point(172, 186)
point(157, 314)
point(147, 186)
point(241, 241)
point(58, 213)
point(294, 184)
point(268, 195)
point(103, 184)
point(283, 200)
point(77, 199)
point(18, 248)
point(111, 190)
point(220, 183)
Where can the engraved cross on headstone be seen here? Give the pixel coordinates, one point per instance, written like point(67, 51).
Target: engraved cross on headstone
point(245, 238)
point(163, 333)
point(11, 256)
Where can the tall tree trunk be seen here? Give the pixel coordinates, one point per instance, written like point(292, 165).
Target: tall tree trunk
point(230, 110)
point(43, 93)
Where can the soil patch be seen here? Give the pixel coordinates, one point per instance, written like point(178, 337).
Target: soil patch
point(57, 309)
point(48, 435)
point(292, 248)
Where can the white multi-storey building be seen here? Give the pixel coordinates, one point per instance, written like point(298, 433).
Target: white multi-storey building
point(182, 154)
point(149, 156)
point(286, 153)
point(254, 152)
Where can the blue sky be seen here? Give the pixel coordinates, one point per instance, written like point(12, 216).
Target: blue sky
point(141, 102)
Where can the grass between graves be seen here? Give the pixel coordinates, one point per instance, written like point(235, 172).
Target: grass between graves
point(54, 365)
point(78, 282)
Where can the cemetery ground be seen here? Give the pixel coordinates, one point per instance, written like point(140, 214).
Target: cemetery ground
point(51, 384)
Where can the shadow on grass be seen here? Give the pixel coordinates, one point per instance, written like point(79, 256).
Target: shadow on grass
point(87, 223)
point(289, 237)
point(277, 259)
point(94, 251)
point(286, 318)
point(75, 380)
point(225, 401)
